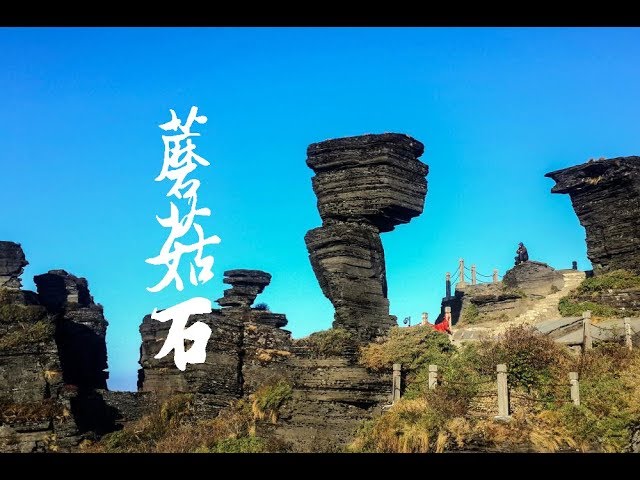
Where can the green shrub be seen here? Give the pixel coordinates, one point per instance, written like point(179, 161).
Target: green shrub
point(326, 343)
point(615, 280)
point(267, 400)
point(529, 355)
point(570, 307)
point(470, 314)
point(413, 347)
point(240, 445)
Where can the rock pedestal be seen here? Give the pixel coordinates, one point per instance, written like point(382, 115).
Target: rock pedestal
point(365, 185)
point(606, 197)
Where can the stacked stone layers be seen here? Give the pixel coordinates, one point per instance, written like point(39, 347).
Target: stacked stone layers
point(52, 359)
point(247, 347)
point(81, 327)
point(606, 197)
point(12, 263)
point(365, 185)
point(246, 285)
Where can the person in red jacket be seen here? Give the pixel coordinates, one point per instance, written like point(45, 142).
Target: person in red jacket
point(445, 325)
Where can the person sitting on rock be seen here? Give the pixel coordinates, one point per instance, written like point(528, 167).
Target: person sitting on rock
point(523, 255)
point(445, 325)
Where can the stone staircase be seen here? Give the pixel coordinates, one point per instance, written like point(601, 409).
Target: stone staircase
point(546, 308)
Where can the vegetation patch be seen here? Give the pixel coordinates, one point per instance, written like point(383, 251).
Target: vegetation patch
point(12, 413)
point(27, 333)
point(413, 347)
point(470, 314)
point(173, 428)
point(458, 414)
point(326, 343)
point(267, 400)
point(12, 313)
point(615, 280)
point(570, 307)
point(266, 355)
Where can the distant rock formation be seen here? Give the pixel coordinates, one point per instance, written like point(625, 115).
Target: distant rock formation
point(365, 185)
point(606, 197)
point(12, 263)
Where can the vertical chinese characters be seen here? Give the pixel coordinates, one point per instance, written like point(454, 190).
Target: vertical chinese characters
point(180, 160)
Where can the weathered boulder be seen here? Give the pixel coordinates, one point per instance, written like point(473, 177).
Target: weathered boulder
point(535, 278)
point(12, 263)
point(365, 185)
point(606, 197)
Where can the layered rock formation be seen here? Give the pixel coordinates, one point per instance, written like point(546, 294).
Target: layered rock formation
point(606, 197)
point(365, 185)
point(246, 347)
point(12, 263)
point(81, 327)
point(52, 357)
point(534, 278)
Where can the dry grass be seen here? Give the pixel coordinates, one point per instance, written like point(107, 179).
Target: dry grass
point(266, 355)
point(326, 343)
point(31, 412)
point(172, 428)
point(27, 333)
point(448, 418)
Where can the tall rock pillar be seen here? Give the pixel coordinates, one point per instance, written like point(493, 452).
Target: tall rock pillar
point(365, 185)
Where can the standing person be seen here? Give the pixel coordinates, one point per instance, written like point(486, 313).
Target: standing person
point(522, 254)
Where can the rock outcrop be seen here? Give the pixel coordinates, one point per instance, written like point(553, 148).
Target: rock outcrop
point(606, 197)
point(12, 263)
point(52, 361)
point(246, 285)
point(365, 185)
point(81, 327)
point(534, 278)
point(247, 347)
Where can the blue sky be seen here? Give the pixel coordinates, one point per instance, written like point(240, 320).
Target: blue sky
point(495, 107)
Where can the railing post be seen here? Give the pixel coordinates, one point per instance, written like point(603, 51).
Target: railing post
point(473, 275)
point(447, 279)
point(627, 333)
point(397, 372)
point(503, 392)
point(433, 376)
point(587, 339)
point(461, 267)
point(425, 318)
point(575, 388)
point(495, 275)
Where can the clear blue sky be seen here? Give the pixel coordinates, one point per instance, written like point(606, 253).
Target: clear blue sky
point(495, 107)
